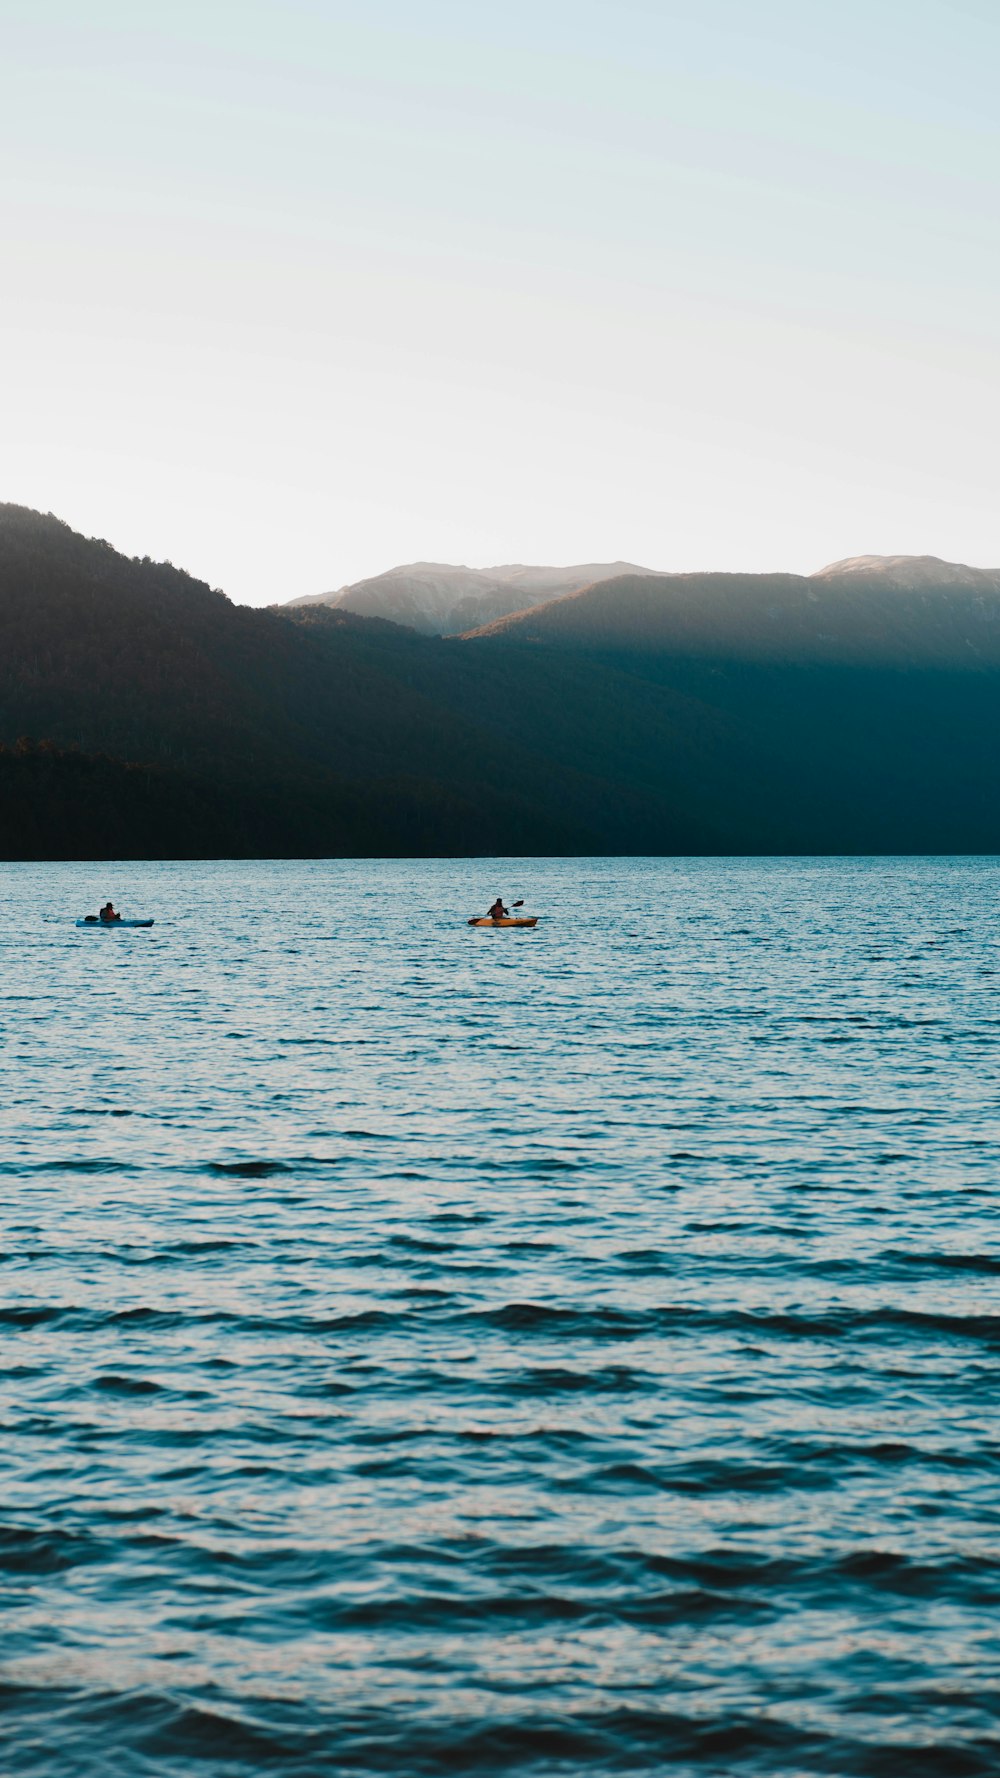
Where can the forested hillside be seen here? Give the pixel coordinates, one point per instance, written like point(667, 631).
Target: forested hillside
point(141, 713)
point(321, 732)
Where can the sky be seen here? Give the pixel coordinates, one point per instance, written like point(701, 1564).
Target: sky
point(296, 290)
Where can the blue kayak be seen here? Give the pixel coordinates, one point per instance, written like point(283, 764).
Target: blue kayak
point(91, 920)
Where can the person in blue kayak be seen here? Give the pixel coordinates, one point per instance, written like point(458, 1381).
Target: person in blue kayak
point(498, 911)
point(107, 915)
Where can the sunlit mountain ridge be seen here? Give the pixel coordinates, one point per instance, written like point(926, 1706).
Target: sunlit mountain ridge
point(443, 599)
point(867, 611)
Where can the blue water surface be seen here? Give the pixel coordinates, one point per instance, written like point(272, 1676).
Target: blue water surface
point(429, 1350)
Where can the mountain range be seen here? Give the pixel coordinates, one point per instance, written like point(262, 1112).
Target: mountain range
point(440, 599)
point(143, 714)
point(852, 605)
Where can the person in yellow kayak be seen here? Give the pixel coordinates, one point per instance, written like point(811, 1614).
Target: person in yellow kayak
point(498, 911)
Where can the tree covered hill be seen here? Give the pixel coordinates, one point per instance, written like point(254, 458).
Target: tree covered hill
point(316, 732)
point(155, 718)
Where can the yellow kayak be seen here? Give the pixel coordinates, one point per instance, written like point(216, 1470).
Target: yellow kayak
point(506, 921)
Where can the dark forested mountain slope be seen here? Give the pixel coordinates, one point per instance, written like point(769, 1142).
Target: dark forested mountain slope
point(323, 732)
point(675, 714)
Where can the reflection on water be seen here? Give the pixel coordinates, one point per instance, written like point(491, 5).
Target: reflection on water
point(431, 1350)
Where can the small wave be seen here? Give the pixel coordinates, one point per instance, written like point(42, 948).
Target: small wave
point(418, 1244)
point(708, 1476)
point(101, 1111)
point(115, 1385)
point(355, 1321)
point(27, 1549)
point(554, 1380)
point(76, 1164)
point(249, 1169)
point(969, 1581)
point(542, 1318)
point(210, 1244)
point(839, 1323)
point(29, 1314)
point(195, 1732)
point(985, 1264)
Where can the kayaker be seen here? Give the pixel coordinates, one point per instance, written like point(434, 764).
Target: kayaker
point(107, 914)
point(498, 911)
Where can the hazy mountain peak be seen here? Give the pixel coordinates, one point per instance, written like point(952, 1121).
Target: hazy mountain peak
point(908, 571)
point(446, 599)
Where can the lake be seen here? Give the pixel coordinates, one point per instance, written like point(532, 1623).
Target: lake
point(429, 1350)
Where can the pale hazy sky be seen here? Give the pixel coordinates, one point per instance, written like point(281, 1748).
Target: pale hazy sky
point(294, 290)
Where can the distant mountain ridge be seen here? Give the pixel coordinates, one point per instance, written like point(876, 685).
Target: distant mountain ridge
point(896, 611)
point(912, 572)
point(442, 599)
point(445, 599)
